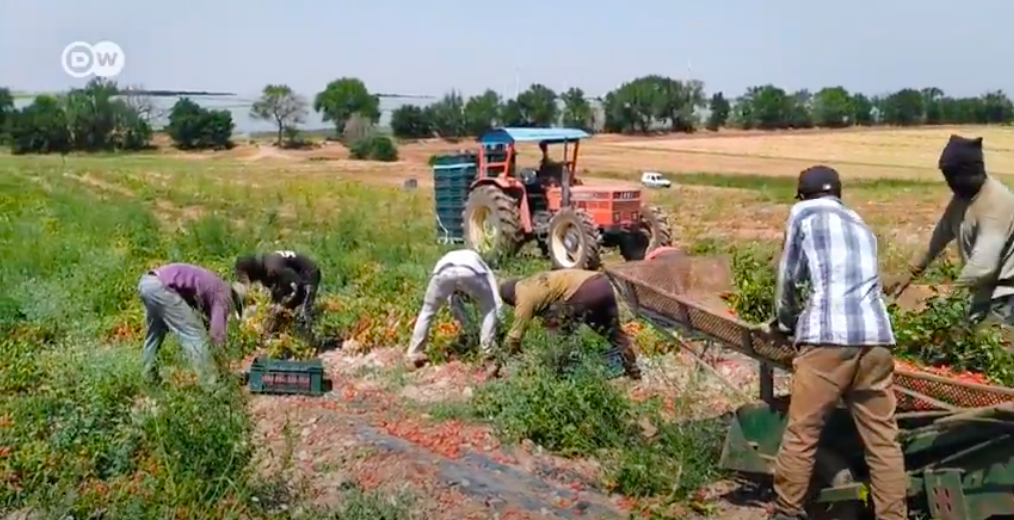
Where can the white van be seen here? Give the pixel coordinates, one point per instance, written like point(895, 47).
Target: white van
point(655, 180)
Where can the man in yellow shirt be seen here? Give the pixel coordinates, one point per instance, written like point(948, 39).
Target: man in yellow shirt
point(980, 216)
point(572, 296)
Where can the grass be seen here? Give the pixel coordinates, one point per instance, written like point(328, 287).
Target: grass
point(80, 433)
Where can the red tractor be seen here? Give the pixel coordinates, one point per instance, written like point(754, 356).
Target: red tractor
point(570, 221)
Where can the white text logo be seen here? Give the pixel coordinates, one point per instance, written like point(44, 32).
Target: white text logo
point(104, 59)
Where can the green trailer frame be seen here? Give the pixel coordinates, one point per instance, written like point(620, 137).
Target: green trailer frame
point(957, 437)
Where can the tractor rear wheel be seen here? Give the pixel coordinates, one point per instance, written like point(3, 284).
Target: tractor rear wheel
point(492, 223)
point(652, 233)
point(573, 240)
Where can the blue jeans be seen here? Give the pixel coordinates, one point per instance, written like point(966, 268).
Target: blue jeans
point(164, 311)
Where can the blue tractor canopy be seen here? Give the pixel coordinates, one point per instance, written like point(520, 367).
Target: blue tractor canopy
point(497, 153)
point(528, 135)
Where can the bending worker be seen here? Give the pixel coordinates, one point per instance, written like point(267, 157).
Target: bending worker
point(844, 339)
point(980, 215)
point(175, 296)
point(458, 273)
point(292, 279)
point(573, 296)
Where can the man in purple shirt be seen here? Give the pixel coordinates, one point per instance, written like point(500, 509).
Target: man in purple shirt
point(176, 297)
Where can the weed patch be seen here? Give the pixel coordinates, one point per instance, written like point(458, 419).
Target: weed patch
point(566, 403)
point(939, 335)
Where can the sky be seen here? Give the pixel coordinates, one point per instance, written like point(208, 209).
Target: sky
point(430, 47)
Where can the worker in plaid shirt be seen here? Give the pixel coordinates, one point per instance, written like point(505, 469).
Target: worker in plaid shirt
point(843, 337)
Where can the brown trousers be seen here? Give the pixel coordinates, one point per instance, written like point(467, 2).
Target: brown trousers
point(594, 304)
point(862, 378)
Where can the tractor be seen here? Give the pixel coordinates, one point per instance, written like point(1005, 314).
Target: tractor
point(570, 221)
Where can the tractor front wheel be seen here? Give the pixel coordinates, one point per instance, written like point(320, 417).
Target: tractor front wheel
point(652, 233)
point(492, 223)
point(573, 240)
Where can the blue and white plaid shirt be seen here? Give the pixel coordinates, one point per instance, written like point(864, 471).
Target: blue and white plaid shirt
point(830, 247)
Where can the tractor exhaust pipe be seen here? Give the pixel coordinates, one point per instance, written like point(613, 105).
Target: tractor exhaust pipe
point(565, 188)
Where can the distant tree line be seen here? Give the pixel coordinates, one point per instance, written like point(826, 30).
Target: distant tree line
point(102, 117)
point(660, 104)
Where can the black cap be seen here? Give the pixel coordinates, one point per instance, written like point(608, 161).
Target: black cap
point(817, 180)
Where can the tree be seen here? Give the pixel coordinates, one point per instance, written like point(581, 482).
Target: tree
point(801, 110)
point(447, 116)
point(6, 112)
point(832, 108)
point(997, 107)
point(577, 112)
point(766, 107)
point(720, 109)
point(410, 122)
point(861, 109)
point(344, 97)
point(142, 104)
point(631, 107)
point(537, 106)
point(932, 107)
point(41, 127)
point(904, 108)
point(193, 127)
point(481, 112)
point(90, 119)
point(674, 101)
point(278, 103)
point(649, 101)
point(511, 114)
point(91, 115)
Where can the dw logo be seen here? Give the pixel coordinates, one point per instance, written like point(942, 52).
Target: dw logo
point(105, 59)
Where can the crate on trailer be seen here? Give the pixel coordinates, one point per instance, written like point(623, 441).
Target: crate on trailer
point(279, 376)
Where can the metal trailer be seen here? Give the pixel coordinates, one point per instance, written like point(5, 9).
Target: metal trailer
point(956, 436)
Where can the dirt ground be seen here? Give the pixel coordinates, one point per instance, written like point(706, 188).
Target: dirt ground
point(370, 431)
point(856, 153)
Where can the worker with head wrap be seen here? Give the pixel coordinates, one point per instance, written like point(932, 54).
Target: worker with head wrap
point(570, 297)
point(980, 215)
point(293, 280)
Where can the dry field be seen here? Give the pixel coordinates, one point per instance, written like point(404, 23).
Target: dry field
point(730, 185)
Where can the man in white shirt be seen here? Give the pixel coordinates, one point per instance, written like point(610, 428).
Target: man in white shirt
point(458, 272)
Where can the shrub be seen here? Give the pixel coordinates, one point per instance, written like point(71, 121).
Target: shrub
point(374, 148)
point(575, 414)
point(193, 127)
point(939, 335)
point(559, 397)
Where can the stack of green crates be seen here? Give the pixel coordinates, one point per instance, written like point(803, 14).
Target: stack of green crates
point(452, 176)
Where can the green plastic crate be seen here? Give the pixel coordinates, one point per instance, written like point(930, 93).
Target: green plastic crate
point(452, 176)
point(278, 376)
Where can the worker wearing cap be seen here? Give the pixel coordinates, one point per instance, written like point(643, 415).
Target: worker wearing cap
point(844, 339)
point(458, 273)
point(572, 296)
point(176, 297)
point(980, 215)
